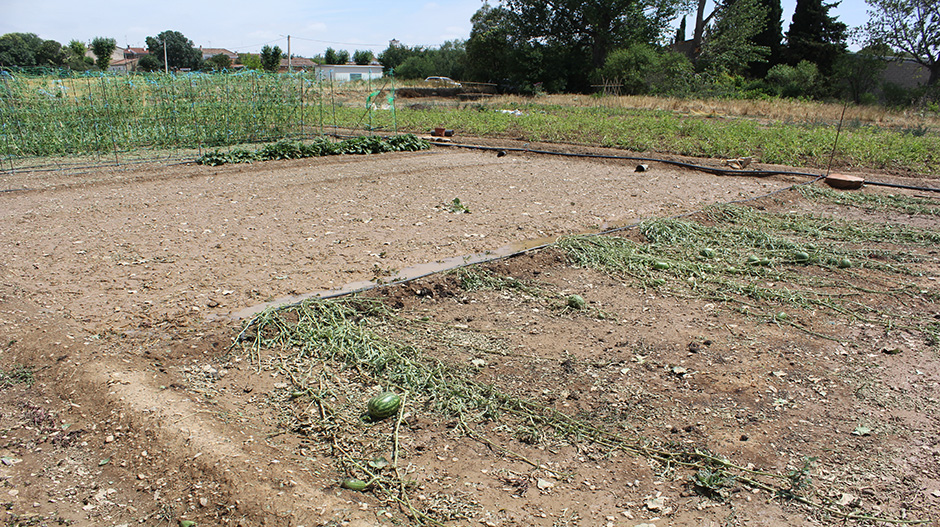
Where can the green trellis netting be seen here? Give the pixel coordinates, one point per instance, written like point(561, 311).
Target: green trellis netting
point(50, 115)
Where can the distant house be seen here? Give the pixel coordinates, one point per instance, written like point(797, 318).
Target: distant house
point(208, 53)
point(125, 60)
point(123, 65)
point(297, 64)
point(135, 53)
point(119, 62)
point(349, 72)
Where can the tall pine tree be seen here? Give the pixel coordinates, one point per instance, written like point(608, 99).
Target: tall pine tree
point(771, 37)
point(815, 36)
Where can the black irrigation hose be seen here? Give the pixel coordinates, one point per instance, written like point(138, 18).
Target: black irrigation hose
point(712, 170)
point(897, 185)
point(701, 168)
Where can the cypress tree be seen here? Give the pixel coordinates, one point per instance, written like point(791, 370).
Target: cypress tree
point(771, 37)
point(680, 33)
point(815, 36)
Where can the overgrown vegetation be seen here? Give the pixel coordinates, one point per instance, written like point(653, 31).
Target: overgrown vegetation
point(18, 374)
point(879, 202)
point(795, 143)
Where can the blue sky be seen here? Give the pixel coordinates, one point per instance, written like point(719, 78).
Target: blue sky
point(243, 26)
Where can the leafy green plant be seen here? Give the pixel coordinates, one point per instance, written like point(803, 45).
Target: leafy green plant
point(456, 206)
point(281, 150)
point(800, 478)
point(712, 482)
point(285, 149)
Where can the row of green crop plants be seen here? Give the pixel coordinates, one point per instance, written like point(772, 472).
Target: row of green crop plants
point(50, 116)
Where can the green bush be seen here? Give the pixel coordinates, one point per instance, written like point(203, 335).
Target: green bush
point(793, 81)
point(898, 96)
point(643, 69)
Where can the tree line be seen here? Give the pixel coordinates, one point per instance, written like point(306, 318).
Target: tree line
point(739, 48)
point(27, 49)
point(167, 50)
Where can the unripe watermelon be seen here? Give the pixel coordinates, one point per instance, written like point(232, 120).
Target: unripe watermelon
point(384, 405)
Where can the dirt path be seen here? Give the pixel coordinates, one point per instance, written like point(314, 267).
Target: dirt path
point(139, 412)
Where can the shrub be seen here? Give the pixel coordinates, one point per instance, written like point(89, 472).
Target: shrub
point(898, 96)
point(643, 69)
point(793, 81)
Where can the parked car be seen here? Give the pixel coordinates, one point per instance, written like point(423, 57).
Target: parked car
point(442, 82)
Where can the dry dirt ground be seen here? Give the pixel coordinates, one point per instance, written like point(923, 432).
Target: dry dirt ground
point(124, 401)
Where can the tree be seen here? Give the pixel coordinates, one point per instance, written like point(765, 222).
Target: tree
point(491, 49)
point(103, 48)
point(270, 58)
point(911, 26)
point(595, 26)
point(680, 32)
point(180, 51)
point(784, 80)
point(699, 32)
point(729, 44)
point(576, 36)
point(77, 47)
point(219, 62)
point(331, 56)
point(642, 69)
point(75, 57)
point(771, 37)
point(249, 61)
point(415, 67)
point(815, 36)
point(149, 63)
point(450, 60)
point(860, 72)
point(50, 53)
point(363, 57)
point(446, 61)
point(19, 49)
point(390, 59)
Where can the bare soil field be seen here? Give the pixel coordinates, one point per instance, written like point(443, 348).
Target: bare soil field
point(132, 393)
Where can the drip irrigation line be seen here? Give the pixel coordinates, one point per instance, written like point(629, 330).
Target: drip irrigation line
point(898, 185)
point(701, 168)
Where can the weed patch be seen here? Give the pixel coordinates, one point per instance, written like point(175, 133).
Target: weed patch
point(17, 375)
point(877, 202)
